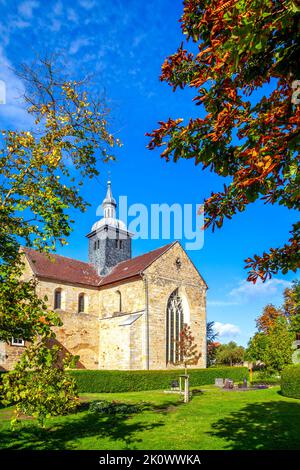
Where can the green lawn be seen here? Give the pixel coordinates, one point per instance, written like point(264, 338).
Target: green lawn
point(214, 419)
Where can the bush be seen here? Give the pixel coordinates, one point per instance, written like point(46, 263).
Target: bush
point(269, 381)
point(99, 381)
point(290, 381)
point(113, 408)
point(2, 372)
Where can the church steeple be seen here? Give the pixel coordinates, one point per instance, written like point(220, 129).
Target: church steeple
point(109, 203)
point(109, 239)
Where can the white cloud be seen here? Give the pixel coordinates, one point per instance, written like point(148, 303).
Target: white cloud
point(247, 290)
point(26, 8)
point(13, 112)
point(58, 8)
point(78, 44)
point(72, 15)
point(87, 4)
point(221, 303)
point(226, 329)
point(138, 39)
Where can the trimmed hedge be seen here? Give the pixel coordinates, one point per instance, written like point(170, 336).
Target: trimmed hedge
point(107, 381)
point(270, 381)
point(290, 381)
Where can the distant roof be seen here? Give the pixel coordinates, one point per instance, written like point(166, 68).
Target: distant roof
point(61, 268)
point(133, 266)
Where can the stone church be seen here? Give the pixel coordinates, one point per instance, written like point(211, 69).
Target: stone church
point(119, 312)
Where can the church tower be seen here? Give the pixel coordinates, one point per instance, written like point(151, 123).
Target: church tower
point(109, 239)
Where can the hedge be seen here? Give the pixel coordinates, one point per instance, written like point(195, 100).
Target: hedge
point(270, 381)
point(98, 381)
point(290, 381)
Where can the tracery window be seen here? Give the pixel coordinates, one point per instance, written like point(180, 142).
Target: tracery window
point(174, 324)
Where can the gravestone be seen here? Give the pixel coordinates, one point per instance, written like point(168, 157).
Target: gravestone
point(228, 384)
point(219, 383)
point(174, 385)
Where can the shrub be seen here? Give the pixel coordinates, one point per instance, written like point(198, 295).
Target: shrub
point(269, 381)
point(98, 381)
point(113, 408)
point(290, 381)
point(2, 372)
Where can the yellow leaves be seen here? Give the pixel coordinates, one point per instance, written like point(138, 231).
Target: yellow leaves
point(64, 118)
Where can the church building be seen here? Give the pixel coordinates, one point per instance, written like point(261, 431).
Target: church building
point(119, 312)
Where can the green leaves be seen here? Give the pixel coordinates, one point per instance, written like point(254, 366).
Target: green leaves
point(38, 386)
point(41, 173)
point(242, 47)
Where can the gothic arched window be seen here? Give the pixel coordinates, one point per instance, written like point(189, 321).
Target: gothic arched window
point(119, 297)
point(57, 299)
point(174, 324)
point(81, 306)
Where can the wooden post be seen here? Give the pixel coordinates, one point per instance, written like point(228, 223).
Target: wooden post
point(251, 374)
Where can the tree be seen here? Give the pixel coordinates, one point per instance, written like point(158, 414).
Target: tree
point(38, 386)
point(211, 345)
point(187, 354)
point(268, 318)
point(291, 306)
point(242, 47)
point(273, 343)
point(257, 346)
point(290, 310)
point(41, 173)
point(187, 348)
point(230, 354)
point(278, 353)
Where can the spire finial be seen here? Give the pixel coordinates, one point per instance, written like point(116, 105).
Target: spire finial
point(109, 204)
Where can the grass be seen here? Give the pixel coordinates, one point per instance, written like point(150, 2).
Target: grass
point(214, 419)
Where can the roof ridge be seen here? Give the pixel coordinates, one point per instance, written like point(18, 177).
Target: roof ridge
point(134, 263)
point(56, 254)
point(147, 253)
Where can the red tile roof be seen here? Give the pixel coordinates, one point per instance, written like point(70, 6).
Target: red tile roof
point(71, 270)
point(62, 268)
point(134, 266)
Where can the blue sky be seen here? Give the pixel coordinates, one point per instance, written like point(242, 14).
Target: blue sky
point(123, 44)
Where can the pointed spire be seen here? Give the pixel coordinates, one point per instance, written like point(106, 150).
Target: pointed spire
point(109, 204)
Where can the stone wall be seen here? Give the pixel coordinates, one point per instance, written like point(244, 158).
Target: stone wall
point(120, 345)
point(100, 336)
point(102, 251)
point(79, 334)
point(70, 294)
point(132, 297)
point(9, 355)
point(163, 277)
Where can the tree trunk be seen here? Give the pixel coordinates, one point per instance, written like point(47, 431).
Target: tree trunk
point(186, 390)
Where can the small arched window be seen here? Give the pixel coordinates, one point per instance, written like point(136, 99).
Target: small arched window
point(81, 306)
point(57, 299)
point(118, 243)
point(98, 244)
point(119, 300)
